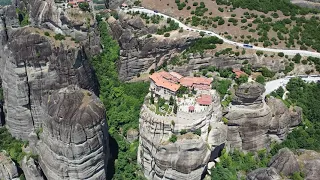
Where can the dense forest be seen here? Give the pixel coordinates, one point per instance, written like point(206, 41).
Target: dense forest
point(306, 136)
point(123, 102)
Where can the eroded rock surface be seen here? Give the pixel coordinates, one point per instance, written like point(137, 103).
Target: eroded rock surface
point(74, 140)
point(264, 174)
point(186, 158)
point(33, 65)
point(251, 119)
point(285, 162)
point(8, 169)
point(36, 69)
point(31, 169)
point(282, 117)
point(138, 53)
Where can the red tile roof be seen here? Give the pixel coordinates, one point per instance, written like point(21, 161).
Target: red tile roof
point(238, 72)
point(204, 99)
point(177, 75)
point(191, 108)
point(190, 81)
point(165, 80)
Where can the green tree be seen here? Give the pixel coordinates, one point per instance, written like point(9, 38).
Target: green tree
point(280, 54)
point(173, 138)
point(171, 100)
point(260, 79)
point(175, 108)
point(242, 79)
point(84, 6)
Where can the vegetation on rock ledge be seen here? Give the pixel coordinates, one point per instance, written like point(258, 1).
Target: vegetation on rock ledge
point(122, 101)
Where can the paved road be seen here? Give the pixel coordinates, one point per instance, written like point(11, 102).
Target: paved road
point(275, 84)
point(211, 33)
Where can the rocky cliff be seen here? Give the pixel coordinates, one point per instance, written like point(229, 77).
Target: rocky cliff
point(74, 138)
point(139, 54)
point(50, 87)
point(285, 163)
point(307, 3)
point(187, 158)
point(8, 169)
point(251, 120)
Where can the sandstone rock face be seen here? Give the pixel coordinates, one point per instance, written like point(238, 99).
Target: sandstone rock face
point(186, 158)
point(309, 162)
point(248, 94)
point(74, 140)
point(36, 70)
point(282, 117)
point(248, 118)
point(31, 169)
point(264, 174)
point(285, 162)
point(34, 65)
point(8, 169)
point(139, 54)
point(251, 119)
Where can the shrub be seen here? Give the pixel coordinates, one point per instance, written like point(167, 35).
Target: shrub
point(183, 131)
point(267, 73)
point(188, 8)
point(173, 138)
point(220, 9)
point(220, 22)
point(173, 123)
point(297, 58)
point(224, 120)
point(59, 37)
point(151, 71)
point(84, 6)
point(166, 35)
point(195, 4)
point(280, 54)
point(197, 132)
point(242, 79)
point(149, 36)
point(260, 79)
point(259, 53)
point(47, 33)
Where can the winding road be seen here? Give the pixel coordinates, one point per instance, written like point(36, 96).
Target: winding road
point(211, 33)
point(275, 84)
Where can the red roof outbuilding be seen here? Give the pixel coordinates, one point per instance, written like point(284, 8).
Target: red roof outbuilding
point(191, 108)
point(204, 99)
point(238, 72)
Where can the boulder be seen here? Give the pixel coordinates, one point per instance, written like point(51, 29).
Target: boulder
point(248, 94)
point(285, 162)
point(132, 135)
point(8, 169)
point(248, 119)
point(283, 118)
point(309, 162)
point(264, 174)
